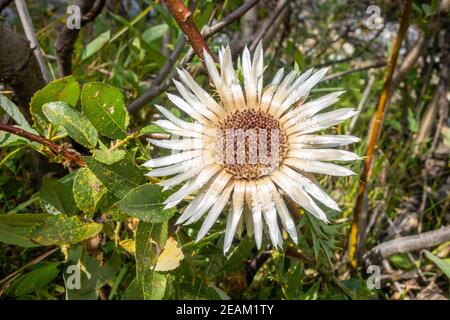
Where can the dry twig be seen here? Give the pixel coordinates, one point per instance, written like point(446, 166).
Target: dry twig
point(407, 244)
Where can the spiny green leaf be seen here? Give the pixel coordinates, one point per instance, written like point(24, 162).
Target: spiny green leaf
point(78, 126)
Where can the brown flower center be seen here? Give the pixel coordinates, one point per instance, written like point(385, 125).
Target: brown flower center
point(250, 144)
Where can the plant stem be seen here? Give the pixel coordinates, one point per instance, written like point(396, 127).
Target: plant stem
point(71, 156)
point(184, 19)
point(374, 134)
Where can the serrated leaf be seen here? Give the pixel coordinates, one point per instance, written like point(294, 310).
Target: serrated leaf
point(78, 127)
point(57, 197)
point(95, 45)
point(119, 178)
point(146, 203)
point(87, 190)
point(108, 156)
point(66, 89)
point(60, 229)
point(104, 106)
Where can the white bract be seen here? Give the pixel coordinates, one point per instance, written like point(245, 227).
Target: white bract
point(258, 144)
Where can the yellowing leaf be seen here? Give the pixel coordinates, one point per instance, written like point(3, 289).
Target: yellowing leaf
point(129, 245)
point(170, 257)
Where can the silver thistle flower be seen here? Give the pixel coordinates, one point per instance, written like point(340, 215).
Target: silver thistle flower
point(253, 147)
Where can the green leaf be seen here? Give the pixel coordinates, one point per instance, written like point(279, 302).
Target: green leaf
point(222, 294)
point(119, 178)
point(153, 128)
point(78, 126)
point(146, 203)
point(239, 254)
point(155, 32)
point(66, 89)
point(95, 45)
point(18, 236)
point(37, 279)
point(13, 111)
point(154, 285)
point(61, 230)
point(22, 219)
point(15, 229)
point(87, 190)
point(104, 106)
point(108, 156)
point(444, 265)
point(150, 239)
point(91, 275)
point(413, 124)
point(57, 197)
point(401, 261)
point(134, 291)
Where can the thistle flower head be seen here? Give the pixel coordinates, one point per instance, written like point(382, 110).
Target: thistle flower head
point(245, 152)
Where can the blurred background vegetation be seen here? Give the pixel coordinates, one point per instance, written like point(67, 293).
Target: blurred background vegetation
point(135, 47)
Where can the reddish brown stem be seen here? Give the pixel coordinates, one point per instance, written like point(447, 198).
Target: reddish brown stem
point(55, 148)
point(374, 134)
point(184, 19)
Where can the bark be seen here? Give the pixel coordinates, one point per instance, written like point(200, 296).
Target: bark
point(67, 37)
point(19, 67)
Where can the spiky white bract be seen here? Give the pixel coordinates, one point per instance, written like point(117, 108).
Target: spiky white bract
point(251, 193)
